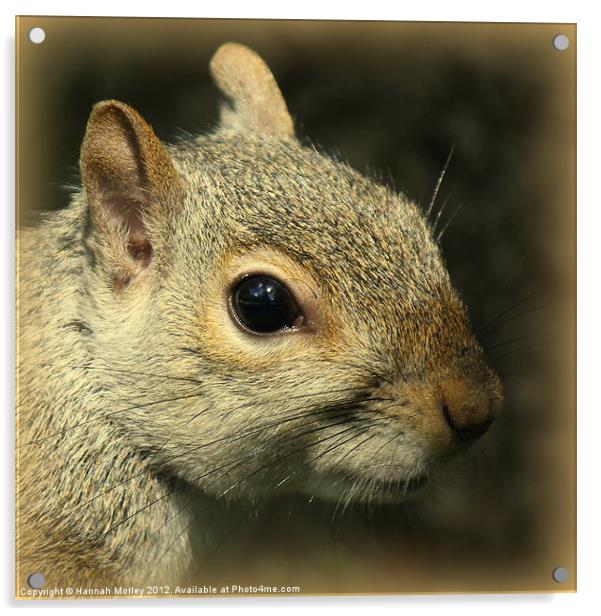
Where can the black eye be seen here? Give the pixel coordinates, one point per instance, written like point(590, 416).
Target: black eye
point(264, 305)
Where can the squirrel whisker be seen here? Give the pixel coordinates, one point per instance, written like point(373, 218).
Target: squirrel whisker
point(438, 183)
point(234, 436)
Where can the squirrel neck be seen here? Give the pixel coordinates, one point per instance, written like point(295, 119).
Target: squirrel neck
point(78, 475)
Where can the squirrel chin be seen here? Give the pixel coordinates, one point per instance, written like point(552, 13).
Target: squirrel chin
point(347, 489)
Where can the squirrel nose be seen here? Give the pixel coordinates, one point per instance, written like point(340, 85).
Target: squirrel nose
point(466, 409)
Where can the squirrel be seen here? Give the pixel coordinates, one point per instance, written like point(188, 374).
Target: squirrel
point(227, 318)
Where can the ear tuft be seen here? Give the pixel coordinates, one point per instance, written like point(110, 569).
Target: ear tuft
point(258, 104)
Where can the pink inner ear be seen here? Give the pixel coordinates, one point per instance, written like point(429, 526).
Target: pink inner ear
point(140, 249)
point(129, 212)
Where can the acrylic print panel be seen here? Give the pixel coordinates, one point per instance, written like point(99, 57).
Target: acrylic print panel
point(296, 307)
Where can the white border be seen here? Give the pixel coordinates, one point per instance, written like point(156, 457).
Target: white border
point(589, 142)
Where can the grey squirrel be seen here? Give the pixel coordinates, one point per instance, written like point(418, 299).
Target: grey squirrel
point(236, 315)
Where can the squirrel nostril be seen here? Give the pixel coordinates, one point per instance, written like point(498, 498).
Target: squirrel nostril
point(466, 431)
point(466, 408)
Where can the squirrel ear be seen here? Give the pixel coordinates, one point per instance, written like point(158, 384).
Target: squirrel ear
point(131, 187)
point(258, 104)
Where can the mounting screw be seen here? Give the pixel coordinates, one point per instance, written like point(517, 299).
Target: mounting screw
point(561, 42)
point(560, 575)
point(36, 580)
point(37, 35)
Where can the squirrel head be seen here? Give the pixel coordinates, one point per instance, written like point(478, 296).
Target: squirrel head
point(268, 318)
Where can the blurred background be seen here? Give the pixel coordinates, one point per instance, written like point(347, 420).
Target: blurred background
point(392, 99)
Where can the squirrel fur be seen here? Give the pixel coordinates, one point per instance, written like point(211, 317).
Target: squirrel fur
point(143, 409)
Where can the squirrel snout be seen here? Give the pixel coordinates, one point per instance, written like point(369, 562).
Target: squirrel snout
point(467, 410)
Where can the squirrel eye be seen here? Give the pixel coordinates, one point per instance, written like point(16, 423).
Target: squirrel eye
point(263, 305)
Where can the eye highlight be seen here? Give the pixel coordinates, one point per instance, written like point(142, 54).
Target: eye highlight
point(264, 305)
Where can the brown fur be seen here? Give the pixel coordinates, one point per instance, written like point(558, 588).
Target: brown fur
point(143, 410)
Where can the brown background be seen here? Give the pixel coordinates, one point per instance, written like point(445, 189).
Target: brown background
point(392, 99)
